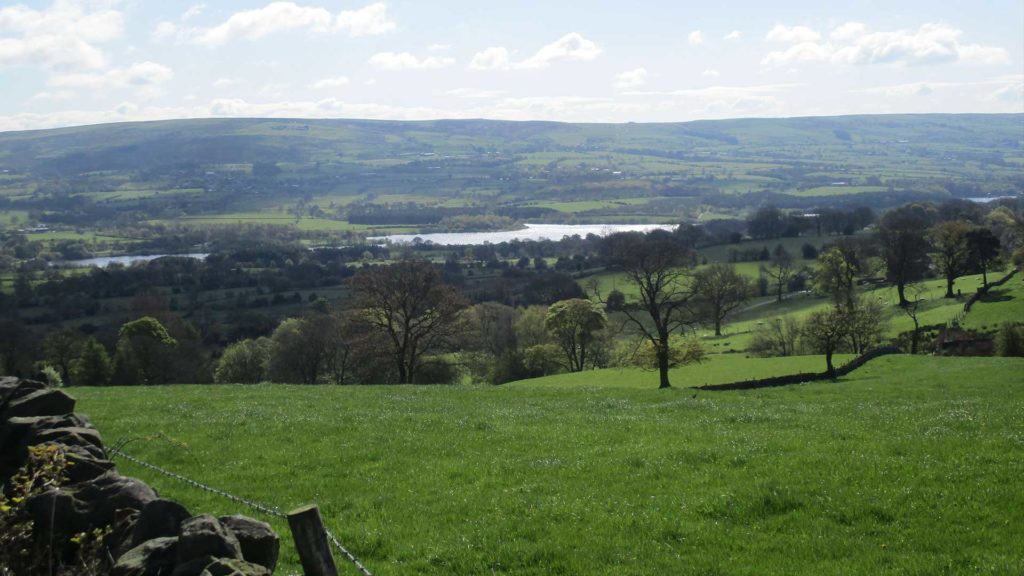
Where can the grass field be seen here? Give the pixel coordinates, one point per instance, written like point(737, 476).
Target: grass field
point(911, 465)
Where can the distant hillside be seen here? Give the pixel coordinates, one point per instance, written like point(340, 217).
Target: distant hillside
point(338, 175)
point(142, 145)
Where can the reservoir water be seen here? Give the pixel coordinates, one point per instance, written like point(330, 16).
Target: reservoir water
point(530, 232)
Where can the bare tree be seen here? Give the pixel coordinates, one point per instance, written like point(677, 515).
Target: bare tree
point(719, 290)
point(658, 267)
point(413, 307)
point(781, 270)
point(912, 310)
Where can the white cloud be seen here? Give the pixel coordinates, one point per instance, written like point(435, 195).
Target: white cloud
point(710, 72)
point(138, 75)
point(165, 31)
point(335, 82)
point(282, 16)
point(473, 93)
point(631, 79)
point(848, 31)
point(1012, 93)
point(367, 21)
point(851, 43)
point(439, 47)
point(734, 35)
point(904, 90)
point(63, 35)
point(695, 38)
point(493, 58)
point(572, 46)
point(802, 52)
point(257, 23)
point(408, 61)
point(225, 82)
point(794, 35)
point(192, 12)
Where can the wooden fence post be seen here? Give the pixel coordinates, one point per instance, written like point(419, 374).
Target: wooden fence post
point(311, 541)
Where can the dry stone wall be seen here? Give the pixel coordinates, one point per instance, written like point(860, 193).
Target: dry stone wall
point(148, 535)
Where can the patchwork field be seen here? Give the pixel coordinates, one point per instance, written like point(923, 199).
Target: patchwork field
point(911, 465)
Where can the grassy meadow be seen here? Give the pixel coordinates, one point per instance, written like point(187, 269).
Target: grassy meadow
point(910, 465)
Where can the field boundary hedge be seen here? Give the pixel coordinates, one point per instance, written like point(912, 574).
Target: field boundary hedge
point(804, 376)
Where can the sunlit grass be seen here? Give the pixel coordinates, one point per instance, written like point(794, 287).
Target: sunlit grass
point(908, 466)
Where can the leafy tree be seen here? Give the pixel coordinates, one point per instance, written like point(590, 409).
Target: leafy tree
point(574, 325)
point(615, 301)
point(244, 362)
point(719, 290)
point(838, 268)
point(410, 304)
point(144, 345)
point(298, 351)
point(93, 366)
point(658, 267)
point(984, 247)
point(901, 234)
point(17, 347)
point(952, 251)
point(824, 332)
point(60, 348)
point(780, 271)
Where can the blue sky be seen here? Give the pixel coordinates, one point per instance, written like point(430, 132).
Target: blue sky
point(74, 62)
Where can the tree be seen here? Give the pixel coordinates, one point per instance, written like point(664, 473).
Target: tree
point(767, 222)
point(780, 271)
point(866, 324)
point(776, 337)
point(658, 267)
point(838, 267)
point(410, 304)
point(298, 351)
point(574, 325)
point(17, 347)
point(244, 362)
point(60, 348)
point(912, 309)
point(984, 248)
point(952, 252)
point(824, 331)
point(93, 366)
point(143, 345)
point(901, 235)
point(719, 290)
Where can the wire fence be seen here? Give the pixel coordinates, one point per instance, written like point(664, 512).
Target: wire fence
point(260, 507)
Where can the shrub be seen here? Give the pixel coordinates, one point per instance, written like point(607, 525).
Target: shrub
point(1010, 340)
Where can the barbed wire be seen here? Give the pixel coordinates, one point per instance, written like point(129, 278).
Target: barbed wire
point(348, 555)
point(267, 509)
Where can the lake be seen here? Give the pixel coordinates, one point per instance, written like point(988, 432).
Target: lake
point(104, 261)
point(531, 232)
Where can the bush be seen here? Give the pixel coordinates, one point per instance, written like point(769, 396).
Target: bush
point(244, 362)
point(1010, 340)
point(52, 376)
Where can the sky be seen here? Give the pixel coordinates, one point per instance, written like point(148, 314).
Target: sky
point(74, 62)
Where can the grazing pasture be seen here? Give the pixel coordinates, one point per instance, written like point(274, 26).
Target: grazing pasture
point(910, 465)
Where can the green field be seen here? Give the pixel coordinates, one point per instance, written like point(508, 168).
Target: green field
point(911, 465)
